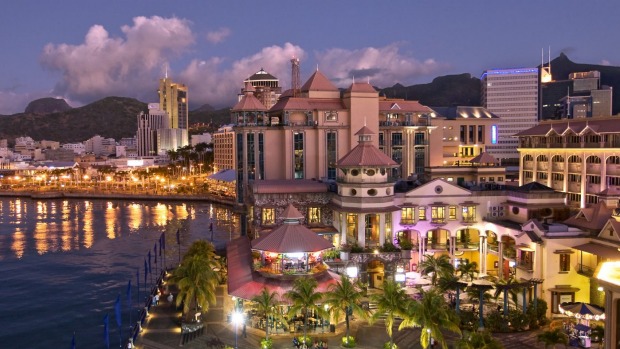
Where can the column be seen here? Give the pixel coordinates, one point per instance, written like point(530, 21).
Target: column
point(382, 228)
point(500, 263)
point(422, 246)
point(583, 186)
point(361, 229)
point(482, 258)
point(603, 172)
point(452, 247)
point(522, 162)
point(343, 227)
point(610, 320)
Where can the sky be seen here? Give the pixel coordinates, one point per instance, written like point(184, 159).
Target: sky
point(83, 50)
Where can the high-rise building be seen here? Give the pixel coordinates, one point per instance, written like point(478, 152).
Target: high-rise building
point(511, 94)
point(149, 123)
point(173, 100)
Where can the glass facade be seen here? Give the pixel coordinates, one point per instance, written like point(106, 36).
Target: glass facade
point(298, 155)
point(331, 139)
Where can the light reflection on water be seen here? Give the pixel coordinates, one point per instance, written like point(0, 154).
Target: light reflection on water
point(63, 262)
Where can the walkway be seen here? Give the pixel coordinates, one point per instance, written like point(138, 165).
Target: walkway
point(162, 331)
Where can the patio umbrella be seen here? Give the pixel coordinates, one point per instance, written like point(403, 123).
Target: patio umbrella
point(585, 311)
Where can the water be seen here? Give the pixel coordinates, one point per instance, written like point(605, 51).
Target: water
point(63, 263)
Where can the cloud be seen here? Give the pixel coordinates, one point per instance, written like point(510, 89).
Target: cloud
point(605, 62)
point(383, 66)
point(211, 83)
point(103, 65)
point(215, 37)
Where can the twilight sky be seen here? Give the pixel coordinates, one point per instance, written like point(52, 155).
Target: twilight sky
point(86, 50)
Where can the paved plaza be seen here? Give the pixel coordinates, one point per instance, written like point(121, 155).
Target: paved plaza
point(162, 331)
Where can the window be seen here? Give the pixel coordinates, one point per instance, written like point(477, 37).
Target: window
point(564, 262)
point(298, 155)
point(406, 215)
point(314, 215)
point(331, 139)
point(438, 214)
point(331, 115)
point(352, 225)
point(452, 212)
point(388, 226)
point(469, 214)
point(422, 213)
point(269, 216)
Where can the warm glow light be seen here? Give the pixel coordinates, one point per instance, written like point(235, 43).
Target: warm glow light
point(352, 272)
point(610, 272)
point(237, 318)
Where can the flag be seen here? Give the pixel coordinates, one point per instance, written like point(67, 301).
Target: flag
point(160, 246)
point(150, 261)
point(155, 252)
point(138, 279)
point(146, 271)
point(106, 332)
point(129, 293)
point(178, 238)
point(211, 226)
point(117, 310)
point(162, 240)
point(73, 342)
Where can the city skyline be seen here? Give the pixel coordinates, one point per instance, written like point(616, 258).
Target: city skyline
point(83, 53)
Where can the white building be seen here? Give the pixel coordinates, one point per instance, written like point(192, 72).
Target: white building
point(100, 146)
point(149, 124)
point(511, 94)
point(78, 148)
point(203, 138)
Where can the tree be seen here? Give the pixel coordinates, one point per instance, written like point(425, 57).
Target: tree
point(266, 303)
point(304, 298)
point(197, 277)
point(391, 304)
point(552, 337)
point(345, 296)
point(440, 266)
point(468, 269)
point(431, 313)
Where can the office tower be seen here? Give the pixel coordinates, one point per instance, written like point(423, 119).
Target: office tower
point(149, 123)
point(173, 100)
point(511, 94)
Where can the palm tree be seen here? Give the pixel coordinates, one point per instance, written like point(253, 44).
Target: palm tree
point(479, 340)
point(468, 269)
point(510, 289)
point(431, 313)
point(440, 266)
point(304, 298)
point(266, 302)
point(345, 296)
point(390, 303)
point(196, 280)
point(552, 337)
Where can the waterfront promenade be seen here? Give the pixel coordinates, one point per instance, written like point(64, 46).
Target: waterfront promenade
point(162, 331)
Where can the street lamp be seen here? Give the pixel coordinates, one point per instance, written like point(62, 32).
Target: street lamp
point(237, 318)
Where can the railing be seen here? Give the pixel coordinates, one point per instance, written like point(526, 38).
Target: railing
point(493, 247)
point(469, 220)
point(407, 221)
point(525, 264)
point(436, 246)
point(585, 270)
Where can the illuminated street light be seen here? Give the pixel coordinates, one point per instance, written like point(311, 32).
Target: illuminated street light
point(237, 318)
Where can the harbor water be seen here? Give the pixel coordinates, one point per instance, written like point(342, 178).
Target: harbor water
point(63, 263)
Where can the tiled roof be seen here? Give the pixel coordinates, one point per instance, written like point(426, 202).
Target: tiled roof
point(291, 238)
point(403, 106)
point(297, 103)
point(249, 103)
point(600, 126)
point(224, 176)
point(261, 75)
point(364, 131)
point(592, 218)
point(290, 212)
point(318, 82)
point(366, 155)
point(484, 158)
point(361, 87)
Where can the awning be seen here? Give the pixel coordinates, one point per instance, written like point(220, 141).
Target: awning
point(564, 289)
point(525, 248)
point(600, 250)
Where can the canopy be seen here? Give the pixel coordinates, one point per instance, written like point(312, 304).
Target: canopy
point(582, 310)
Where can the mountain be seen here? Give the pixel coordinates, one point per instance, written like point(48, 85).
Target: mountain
point(443, 91)
point(562, 67)
point(47, 106)
point(114, 117)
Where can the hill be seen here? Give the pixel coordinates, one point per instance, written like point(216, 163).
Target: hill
point(109, 117)
point(47, 106)
point(443, 91)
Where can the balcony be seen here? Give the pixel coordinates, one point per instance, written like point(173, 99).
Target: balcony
point(613, 169)
point(438, 221)
point(557, 167)
point(593, 168)
point(525, 264)
point(543, 166)
point(574, 187)
point(469, 220)
point(585, 270)
point(557, 185)
point(593, 188)
point(436, 246)
point(528, 165)
point(574, 167)
point(407, 221)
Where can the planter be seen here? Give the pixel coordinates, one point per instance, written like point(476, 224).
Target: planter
point(344, 255)
point(405, 254)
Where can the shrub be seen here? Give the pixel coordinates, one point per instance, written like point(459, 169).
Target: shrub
point(266, 343)
point(386, 345)
point(469, 320)
point(307, 340)
point(348, 342)
point(406, 244)
point(356, 248)
point(539, 314)
point(388, 247)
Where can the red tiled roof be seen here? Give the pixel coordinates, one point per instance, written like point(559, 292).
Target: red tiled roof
point(318, 82)
point(361, 87)
point(403, 106)
point(278, 186)
point(366, 155)
point(249, 103)
point(364, 131)
point(484, 158)
point(291, 238)
point(290, 212)
point(298, 103)
point(593, 217)
point(245, 283)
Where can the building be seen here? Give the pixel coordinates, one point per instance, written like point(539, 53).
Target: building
point(511, 94)
point(173, 99)
point(224, 149)
point(267, 88)
point(581, 96)
point(100, 146)
point(205, 138)
point(578, 157)
point(149, 123)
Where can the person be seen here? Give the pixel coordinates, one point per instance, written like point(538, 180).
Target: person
point(156, 299)
point(295, 342)
point(170, 298)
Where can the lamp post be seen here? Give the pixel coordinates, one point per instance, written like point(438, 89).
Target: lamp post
point(237, 317)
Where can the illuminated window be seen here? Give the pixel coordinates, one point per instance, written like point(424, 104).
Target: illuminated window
point(352, 225)
point(565, 262)
point(422, 213)
point(452, 212)
point(438, 214)
point(469, 214)
point(269, 216)
point(406, 215)
point(314, 215)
